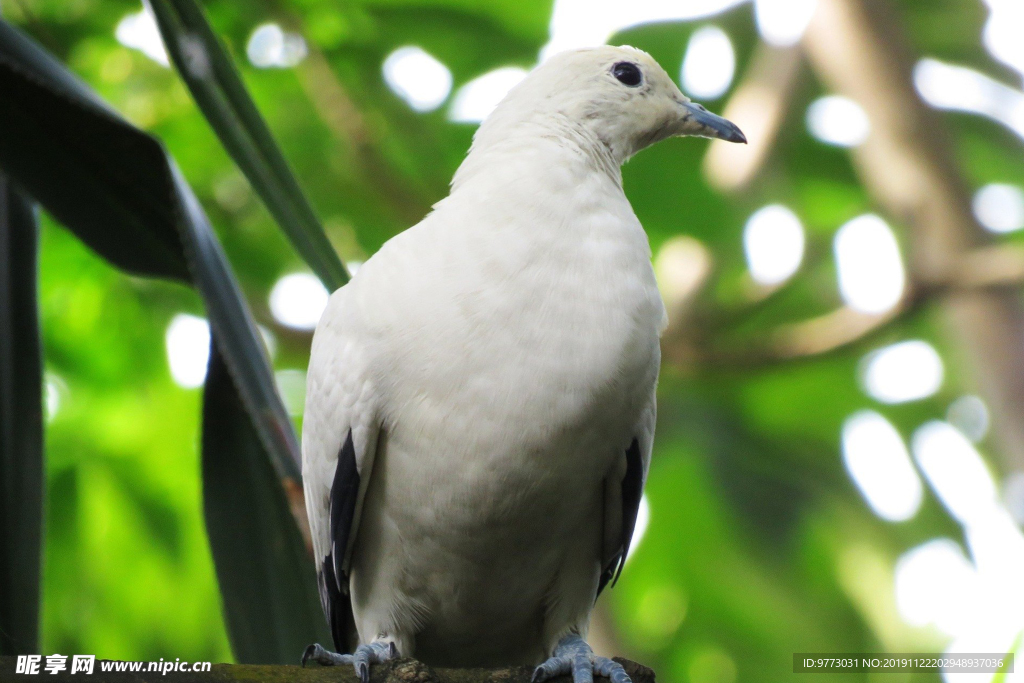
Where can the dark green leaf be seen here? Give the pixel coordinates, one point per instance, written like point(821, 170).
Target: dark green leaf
point(21, 426)
point(218, 90)
point(266, 579)
point(118, 191)
point(116, 188)
point(105, 181)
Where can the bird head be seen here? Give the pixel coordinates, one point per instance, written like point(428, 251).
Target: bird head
point(619, 95)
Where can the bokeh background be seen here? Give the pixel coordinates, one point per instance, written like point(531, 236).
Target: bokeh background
point(839, 463)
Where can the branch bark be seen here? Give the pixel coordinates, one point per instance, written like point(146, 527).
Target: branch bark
point(397, 671)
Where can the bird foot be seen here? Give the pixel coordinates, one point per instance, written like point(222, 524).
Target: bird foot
point(572, 654)
point(364, 656)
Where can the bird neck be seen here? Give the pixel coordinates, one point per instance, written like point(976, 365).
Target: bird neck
point(539, 141)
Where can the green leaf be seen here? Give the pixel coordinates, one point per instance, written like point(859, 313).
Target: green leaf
point(1007, 667)
point(106, 181)
point(218, 89)
point(116, 188)
point(258, 551)
point(21, 425)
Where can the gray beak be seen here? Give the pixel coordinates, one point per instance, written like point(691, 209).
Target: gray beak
point(700, 122)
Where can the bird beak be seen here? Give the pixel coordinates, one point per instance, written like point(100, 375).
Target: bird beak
point(697, 120)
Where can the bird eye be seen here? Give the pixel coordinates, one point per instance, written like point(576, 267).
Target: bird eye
point(627, 73)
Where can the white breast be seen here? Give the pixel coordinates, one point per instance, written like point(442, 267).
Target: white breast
point(516, 343)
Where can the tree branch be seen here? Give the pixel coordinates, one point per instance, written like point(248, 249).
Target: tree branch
point(348, 124)
point(397, 671)
point(759, 106)
point(829, 333)
point(991, 268)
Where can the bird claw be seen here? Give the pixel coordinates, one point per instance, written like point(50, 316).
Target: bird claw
point(555, 666)
point(317, 653)
point(572, 654)
point(361, 659)
point(611, 670)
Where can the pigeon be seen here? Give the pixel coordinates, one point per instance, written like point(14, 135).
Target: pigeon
point(480, 401)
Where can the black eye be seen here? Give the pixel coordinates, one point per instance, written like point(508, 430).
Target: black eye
point(628, 73)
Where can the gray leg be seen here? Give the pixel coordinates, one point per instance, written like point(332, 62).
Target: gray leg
point(572, 654)
point(365, 655)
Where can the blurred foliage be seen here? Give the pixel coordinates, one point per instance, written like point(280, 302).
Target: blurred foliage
point(759, 544)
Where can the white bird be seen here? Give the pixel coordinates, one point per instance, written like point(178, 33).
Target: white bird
point(481, 396)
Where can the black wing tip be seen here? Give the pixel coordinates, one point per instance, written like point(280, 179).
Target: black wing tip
point(341, 512)
point(632, 490)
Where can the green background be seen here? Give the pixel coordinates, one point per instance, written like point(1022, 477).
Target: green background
point(758, 546)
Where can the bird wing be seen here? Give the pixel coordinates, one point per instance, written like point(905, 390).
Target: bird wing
point(623, 490)
point(339, 441)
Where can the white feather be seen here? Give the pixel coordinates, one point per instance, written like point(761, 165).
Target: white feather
point(505, 349)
